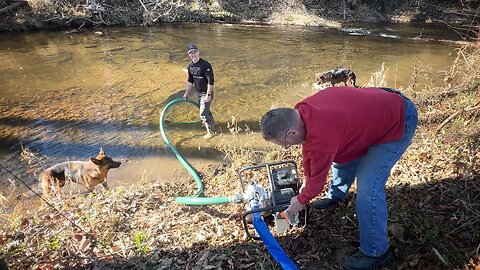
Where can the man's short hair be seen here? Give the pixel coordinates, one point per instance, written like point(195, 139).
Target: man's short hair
point(276, 122)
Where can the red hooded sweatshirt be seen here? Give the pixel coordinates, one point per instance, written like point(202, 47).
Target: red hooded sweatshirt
point(341, 124)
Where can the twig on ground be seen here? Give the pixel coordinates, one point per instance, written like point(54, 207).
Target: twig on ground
point(440, 256)
point(475, 107)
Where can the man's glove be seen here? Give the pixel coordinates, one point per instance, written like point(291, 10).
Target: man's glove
point(295, 206)
point(291, 214)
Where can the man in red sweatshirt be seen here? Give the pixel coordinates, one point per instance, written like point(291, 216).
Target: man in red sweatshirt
point(358, 133)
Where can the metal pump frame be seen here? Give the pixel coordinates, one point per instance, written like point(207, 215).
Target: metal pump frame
point(274, 206)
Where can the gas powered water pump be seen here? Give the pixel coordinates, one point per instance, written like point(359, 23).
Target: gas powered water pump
point(283, 185)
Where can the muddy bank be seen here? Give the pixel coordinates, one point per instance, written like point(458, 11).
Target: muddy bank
point(18, 15)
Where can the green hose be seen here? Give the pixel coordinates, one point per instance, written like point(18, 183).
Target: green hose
point(202, 200)
point(195, 199)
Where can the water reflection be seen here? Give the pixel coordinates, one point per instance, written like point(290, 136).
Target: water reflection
point(64, 95)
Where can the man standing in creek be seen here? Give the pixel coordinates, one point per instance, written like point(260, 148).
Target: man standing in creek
point(359, 133)
point(200, 75)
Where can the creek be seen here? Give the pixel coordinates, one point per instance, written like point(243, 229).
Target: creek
point(63, 95)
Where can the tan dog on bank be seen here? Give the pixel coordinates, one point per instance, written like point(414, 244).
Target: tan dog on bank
point(88, 173)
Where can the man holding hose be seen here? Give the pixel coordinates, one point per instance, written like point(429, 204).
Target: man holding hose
point(200, 75)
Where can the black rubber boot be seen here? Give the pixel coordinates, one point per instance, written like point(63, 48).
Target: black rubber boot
point(325, 203)
point(361, 261)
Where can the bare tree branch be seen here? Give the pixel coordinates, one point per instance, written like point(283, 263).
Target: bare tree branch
point(12, 6)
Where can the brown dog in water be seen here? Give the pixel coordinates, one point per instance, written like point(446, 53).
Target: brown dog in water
point(337, 75)
point(88, 173)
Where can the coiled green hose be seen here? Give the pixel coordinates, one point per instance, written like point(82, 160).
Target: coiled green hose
point(196, 199)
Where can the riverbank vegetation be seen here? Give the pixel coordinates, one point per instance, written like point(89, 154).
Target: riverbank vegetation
point(433, 194)
point(18, 15)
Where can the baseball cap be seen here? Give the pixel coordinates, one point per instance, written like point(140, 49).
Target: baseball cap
point(192, 47)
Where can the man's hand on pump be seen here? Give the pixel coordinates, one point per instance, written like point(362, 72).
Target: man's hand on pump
point(292, 212)
point(295, 206)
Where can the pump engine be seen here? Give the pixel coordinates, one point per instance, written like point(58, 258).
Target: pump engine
point(283, 184)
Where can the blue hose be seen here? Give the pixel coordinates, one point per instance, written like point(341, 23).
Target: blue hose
point(272, 245)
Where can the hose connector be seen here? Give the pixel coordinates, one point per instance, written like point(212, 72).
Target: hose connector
point(237, 198)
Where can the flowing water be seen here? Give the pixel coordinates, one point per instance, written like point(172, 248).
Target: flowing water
point(63, 95)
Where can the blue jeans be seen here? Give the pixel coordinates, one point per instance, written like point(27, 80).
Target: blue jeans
point(372, 171)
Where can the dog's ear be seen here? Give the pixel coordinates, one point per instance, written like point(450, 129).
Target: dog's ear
point(96, 161)
point(101, 152)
